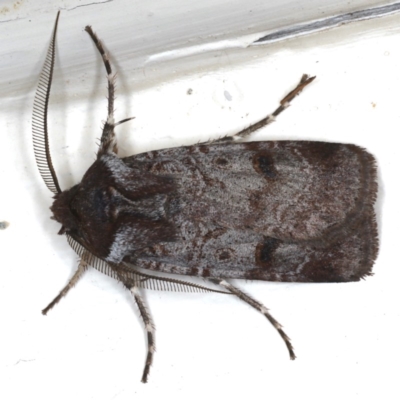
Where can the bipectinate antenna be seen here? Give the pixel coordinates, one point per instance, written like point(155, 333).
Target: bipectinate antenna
point(39, 119)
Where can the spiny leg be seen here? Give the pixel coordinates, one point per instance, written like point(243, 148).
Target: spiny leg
point(284, 103)
point(72, 282)
point(148, 325)
point(259, 307)
point(108, 142)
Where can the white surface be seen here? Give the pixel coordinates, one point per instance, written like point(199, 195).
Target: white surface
point(92, 344)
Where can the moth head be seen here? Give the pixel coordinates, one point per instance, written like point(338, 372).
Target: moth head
point(73, 208)
point(64, 211)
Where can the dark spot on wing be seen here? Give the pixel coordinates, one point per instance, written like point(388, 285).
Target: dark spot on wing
point(265, 252)
point(206, 272)
point(204, 148)
point(221, 162)
point(224, 255)
point(325, 154)
point(263, 163)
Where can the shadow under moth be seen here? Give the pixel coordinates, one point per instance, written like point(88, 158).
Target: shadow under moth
point(283, 211)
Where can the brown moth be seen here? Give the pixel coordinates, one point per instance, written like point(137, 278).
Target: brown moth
point(284, 211)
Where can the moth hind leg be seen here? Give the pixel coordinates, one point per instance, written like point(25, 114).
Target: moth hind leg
point(148, 325)
point(283, 104)
point(259, 307)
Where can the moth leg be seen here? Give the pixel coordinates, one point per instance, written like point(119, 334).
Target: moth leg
point(108, 141)
point(284, 103)
point(259, 307)
point(72, 282)
point(149, 326)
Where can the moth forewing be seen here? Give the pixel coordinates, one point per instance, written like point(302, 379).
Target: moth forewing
point(285, 211)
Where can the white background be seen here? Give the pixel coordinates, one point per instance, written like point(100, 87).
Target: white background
point(92, 345)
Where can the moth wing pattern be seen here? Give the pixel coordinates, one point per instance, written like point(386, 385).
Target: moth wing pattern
point(277, 211)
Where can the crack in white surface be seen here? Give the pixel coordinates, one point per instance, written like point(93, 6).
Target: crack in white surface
point(21, 10)
point(89, 4)
point(331, 22)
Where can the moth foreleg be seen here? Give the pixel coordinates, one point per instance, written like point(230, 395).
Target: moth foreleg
point(149, 326)
point(108, 142)
point(283, 104)
point(261, 308)
point(72, 282)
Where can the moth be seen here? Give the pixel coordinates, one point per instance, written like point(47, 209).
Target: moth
point(283, 211)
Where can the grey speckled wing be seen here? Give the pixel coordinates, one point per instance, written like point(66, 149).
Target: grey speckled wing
point(279, 211)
